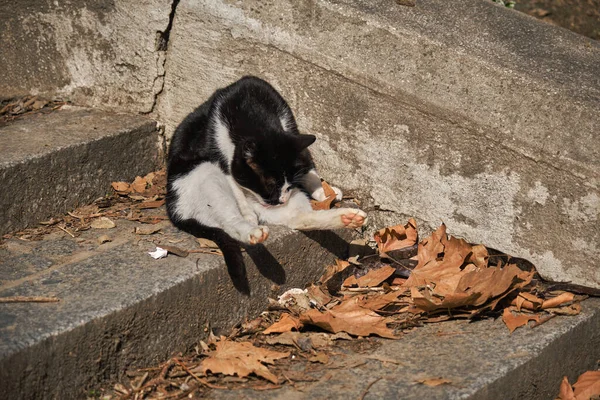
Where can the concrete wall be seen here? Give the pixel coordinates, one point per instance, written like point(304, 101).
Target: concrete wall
point(105, 54)
point(462, 112)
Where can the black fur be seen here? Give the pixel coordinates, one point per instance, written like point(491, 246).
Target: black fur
point(265, 154)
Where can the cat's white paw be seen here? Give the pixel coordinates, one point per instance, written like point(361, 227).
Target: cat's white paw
point(353, 218)
point(319, 194)
point(258, 235)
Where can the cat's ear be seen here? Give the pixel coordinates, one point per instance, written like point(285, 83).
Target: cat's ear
point(249, 150)
point(303, 141)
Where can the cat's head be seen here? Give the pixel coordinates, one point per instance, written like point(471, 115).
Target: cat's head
point(270, 167)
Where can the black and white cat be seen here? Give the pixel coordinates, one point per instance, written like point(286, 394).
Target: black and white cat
point(238, 162)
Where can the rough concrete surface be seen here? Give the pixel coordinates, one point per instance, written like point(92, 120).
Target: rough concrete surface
point(92, 52)
point(51, 163)
point(121, 309)
point(432, 112)
point(481, 360)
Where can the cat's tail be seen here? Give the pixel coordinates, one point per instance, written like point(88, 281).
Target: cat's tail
point(232, 251)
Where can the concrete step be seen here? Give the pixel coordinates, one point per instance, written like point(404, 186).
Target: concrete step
point(120, 309)
point(51, 163)
point(480, 359)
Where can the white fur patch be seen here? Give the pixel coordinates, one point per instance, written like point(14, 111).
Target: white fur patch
point(224, 142)
point(285, 192)
point(285, 121)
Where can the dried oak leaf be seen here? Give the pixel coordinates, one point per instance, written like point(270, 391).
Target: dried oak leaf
point(331, 270)
point(396, 237)
point(139, 184)
point(286, 323)
point(434, 381)
point(375, 276)
point(349, 317)
point(566, 391)
point(513, 321)
point(122, 188)
point(329, 198)
point(241, 359)
point(587, 385)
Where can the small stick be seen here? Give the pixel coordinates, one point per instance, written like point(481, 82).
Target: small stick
point(28, 299)
point(65, 230)
point(201, 381)
point(215, 252)
point(364, 393)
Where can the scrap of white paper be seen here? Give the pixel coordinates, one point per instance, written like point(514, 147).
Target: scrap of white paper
point(158, 253)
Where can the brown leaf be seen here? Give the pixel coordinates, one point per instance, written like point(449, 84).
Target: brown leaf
point(513, 321)
point(331, 270)
point(563, 298)
point(286, 323)
point(566, 391)
point(102, 223)
point(479, 256)
point(376, 276)
point(320, 358)
point(434, 381)
point(121, 187)
point(104, 238)
point(241, 359)
point(150, 204)
point(147, 230)
point(349, 317)
point(175, 250)
point(329, 198)
point(587, 385)
point(396, 237)
point(139, 184)
point(318, 295)
point(207, 243)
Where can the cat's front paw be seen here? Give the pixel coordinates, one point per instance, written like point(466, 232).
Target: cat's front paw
point(258, 235)
point(319, 194)
point(353, 218)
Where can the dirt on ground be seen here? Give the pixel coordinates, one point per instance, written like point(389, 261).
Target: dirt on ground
point(580, 16)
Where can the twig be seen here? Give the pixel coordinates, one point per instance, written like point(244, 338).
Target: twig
point(65, 230)
point(215, 252)
point(364, 393)
point(200, 380)
point(364, 289)
point(28, 299)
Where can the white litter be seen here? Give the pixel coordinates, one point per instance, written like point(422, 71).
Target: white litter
point(158, 253)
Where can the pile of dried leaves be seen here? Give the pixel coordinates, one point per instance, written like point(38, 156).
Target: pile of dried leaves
point(587, 387)
point(131, 201)
point(403, 285)
point(27, 105)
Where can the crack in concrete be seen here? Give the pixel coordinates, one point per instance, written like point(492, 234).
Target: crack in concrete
point(162, 46)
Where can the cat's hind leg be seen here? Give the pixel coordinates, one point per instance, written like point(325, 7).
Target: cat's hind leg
point(206, 196)
point(311, 182)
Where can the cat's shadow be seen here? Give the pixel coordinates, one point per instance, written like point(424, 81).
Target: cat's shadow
point(267, 265)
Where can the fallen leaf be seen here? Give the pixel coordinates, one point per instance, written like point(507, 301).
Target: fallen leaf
point(286, 323)
point(207, 243)
point(121, 187)
point(396, 237)
point(241, 359)
point(349, 317)
point(566, 391)
point(513, 321)
point(104, 238)
point(329, 198)
point(176, 250)
point(102, 223)
point(434, 381)
point(587, 385)
point(139, 184)
point(319, 358)
point(563, 298)
point(146, 230)
point(376, 276)
point(150, 204)
point(286, 339)
point(331, 270)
